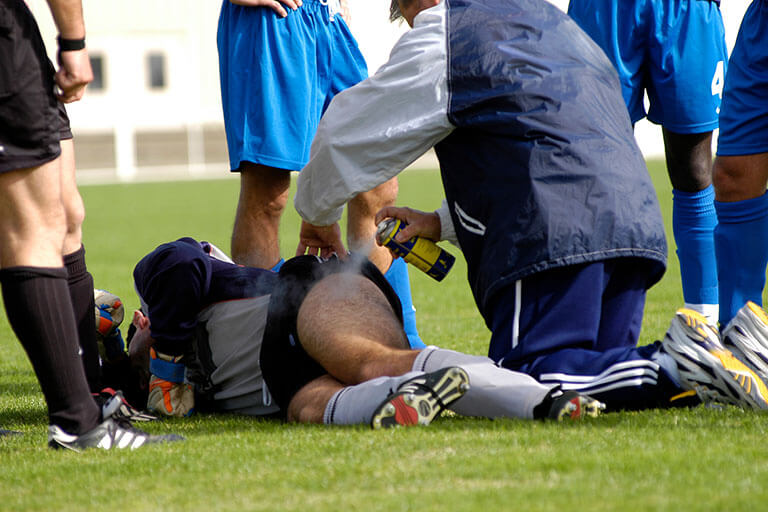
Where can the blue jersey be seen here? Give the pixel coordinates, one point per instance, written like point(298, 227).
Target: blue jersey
point(673, 50)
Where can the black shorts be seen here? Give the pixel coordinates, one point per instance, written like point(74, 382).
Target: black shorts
point(32, 119)
point(285, 365)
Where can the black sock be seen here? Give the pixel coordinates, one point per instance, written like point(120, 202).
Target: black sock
point(80, 284)
point(40, 312)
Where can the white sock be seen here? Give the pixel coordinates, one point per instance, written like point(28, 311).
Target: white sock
point(434, 358)
point(354, 405)
point(493, 392)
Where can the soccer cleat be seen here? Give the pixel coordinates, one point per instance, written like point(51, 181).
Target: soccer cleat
point(746, 336)
point(574, 406)
point(420, 400)
point(706, 367)
point(108, 435)
point(114, 405)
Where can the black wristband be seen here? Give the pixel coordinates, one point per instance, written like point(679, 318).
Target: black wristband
point(70, 45)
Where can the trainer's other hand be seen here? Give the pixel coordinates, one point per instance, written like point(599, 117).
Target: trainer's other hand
point(323, 241)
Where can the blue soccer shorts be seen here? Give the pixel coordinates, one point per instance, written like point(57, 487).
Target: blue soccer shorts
point(744, 115)
point(673, 50)
point(278, 75)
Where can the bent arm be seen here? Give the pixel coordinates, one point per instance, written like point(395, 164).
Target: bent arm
point(375, 129)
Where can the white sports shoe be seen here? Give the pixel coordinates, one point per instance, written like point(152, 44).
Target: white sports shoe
point(746, 335)
point(107, 435)
point(706, 366)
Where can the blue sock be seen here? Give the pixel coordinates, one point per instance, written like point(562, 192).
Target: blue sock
point(397, 275)
point(693, 224)
point(741, 243)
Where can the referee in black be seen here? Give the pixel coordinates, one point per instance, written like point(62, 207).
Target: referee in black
point(47, 291)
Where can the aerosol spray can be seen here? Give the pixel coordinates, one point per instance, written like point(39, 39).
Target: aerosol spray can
point(420, 252)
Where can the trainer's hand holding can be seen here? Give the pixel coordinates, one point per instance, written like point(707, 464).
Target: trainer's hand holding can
point(418, 250)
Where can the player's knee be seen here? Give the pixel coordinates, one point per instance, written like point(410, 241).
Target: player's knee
point(308, 405)
point(75, 216)
point(263, 190)
point(732, 182)
point(302, 413)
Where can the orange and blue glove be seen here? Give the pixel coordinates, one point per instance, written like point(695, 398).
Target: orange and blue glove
point(169, 393)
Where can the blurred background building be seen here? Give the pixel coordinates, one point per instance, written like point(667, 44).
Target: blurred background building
point(153, 110)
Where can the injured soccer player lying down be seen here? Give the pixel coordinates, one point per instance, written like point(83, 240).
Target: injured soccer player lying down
point(321, 341)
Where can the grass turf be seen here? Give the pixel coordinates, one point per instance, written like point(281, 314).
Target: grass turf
point(650, 460)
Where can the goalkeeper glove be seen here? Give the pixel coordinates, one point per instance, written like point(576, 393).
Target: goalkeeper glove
point(109, 312)
point(169, 394)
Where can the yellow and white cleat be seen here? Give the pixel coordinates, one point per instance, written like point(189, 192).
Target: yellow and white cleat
point(707, 367)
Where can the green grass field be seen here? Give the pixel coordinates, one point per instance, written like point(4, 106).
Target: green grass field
point(700, 459)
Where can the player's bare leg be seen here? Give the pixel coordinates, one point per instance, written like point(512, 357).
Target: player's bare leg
point(32, 217)
point(361, 227)
point(263, 197)
point(738, 178)
point(79, 279)
point(308, 405)
point(347, 325)
point(32, 231)
point(74, 210)
point(689, 160)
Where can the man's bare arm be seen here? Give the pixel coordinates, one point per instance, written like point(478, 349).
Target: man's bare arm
point(68, 15)
point(74, 65)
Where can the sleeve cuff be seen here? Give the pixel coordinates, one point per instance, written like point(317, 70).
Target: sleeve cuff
point(447, 229)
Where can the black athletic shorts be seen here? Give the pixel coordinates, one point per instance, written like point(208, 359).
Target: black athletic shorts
point(285, 365)
point(32, 119)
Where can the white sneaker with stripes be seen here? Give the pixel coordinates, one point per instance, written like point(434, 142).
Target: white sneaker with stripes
point(108, 435)
point(746, 335)
point(707, 367)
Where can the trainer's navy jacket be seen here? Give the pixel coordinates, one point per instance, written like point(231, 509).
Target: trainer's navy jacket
point(537, 153)
point(212, 311)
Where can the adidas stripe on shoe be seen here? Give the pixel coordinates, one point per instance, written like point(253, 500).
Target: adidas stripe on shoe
point(108, 435)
